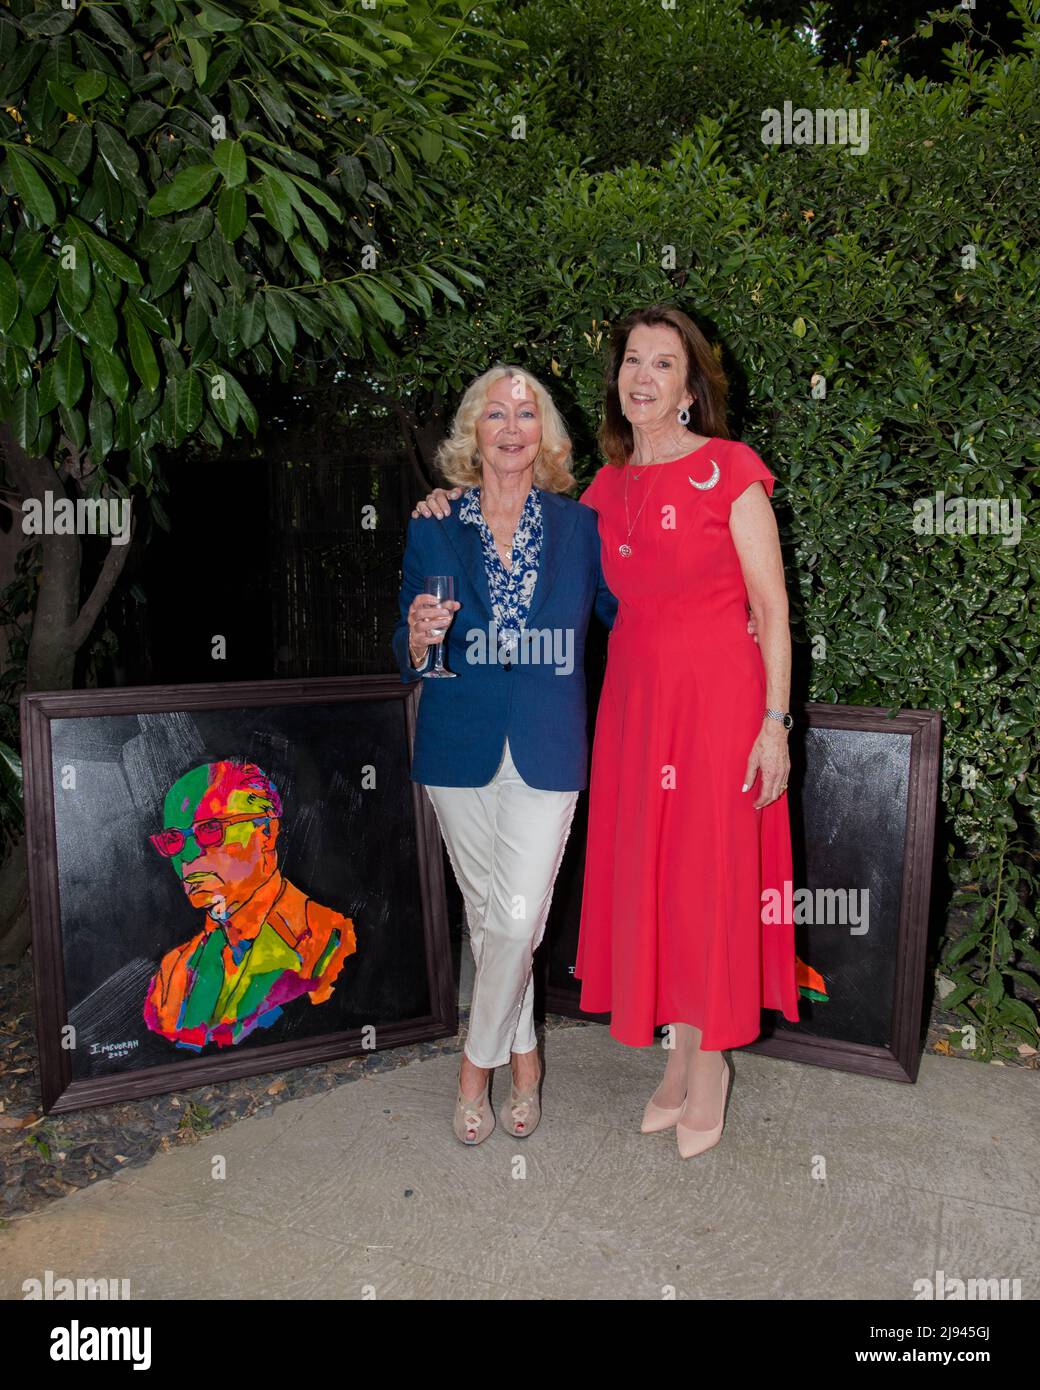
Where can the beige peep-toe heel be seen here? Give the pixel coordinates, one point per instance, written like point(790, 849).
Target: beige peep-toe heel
point(474, 1118)
point(523, 1111)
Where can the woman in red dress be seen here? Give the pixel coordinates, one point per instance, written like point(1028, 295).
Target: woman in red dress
point(688, 815)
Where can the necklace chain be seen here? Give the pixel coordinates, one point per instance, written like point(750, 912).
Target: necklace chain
point(625, 549)
point(653, 461)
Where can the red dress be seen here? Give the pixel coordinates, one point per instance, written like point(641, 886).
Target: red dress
point(672, 926)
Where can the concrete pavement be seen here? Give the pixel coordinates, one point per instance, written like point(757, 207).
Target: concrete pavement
point(364, 1192)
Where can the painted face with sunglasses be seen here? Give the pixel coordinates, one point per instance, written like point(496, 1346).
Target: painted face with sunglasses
point(263, 942)
point(219, 840)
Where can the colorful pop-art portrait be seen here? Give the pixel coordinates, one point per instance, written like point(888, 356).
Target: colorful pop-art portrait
point(263, 943)
point(811, 984)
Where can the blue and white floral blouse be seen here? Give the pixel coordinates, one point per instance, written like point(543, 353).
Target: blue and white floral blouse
point(511, 590)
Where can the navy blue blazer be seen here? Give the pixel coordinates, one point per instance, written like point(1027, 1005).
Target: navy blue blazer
point(538, 701)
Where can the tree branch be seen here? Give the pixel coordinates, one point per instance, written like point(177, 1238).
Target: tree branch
point(99, 595)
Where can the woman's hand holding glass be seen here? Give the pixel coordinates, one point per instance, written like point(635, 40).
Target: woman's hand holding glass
point(428, 623)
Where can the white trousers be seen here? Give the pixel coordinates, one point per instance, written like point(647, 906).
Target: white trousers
point(505, 842)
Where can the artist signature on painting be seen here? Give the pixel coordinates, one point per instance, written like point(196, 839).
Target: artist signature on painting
point(111, 1050)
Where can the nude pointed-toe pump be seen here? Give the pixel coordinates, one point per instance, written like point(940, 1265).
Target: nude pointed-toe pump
point(697, 1141)
point(659, 1117)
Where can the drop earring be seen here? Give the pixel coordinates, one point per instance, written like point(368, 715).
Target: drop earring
point(683, 416)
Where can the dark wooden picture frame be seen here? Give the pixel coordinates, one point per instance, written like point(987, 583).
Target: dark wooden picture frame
point(845, 825)
point(420, 876)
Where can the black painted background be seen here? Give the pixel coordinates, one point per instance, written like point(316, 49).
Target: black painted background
point(350, 849)
point(848, 825)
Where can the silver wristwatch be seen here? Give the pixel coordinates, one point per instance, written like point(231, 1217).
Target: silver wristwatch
point(785, 719)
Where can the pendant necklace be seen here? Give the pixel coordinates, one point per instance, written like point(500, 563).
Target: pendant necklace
point(624, 549)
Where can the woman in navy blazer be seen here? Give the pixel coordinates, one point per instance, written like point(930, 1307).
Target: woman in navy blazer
point(501, 748)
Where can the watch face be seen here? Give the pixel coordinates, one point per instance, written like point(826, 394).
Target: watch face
point(788, 721)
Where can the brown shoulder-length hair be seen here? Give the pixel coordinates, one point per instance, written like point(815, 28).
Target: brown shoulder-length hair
point(705, 380)
point(458, 458)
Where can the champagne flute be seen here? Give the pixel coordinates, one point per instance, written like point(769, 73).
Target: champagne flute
point(440, 587)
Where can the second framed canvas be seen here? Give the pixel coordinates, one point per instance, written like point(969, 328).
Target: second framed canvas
point(228, 879)
point(864, 793)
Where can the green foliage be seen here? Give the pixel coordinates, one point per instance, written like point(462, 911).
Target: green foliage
point(193, 196)
point(904, 279)
point(197, 193)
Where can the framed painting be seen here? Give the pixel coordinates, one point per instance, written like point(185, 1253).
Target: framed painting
point(863, 795)
point(226, 880)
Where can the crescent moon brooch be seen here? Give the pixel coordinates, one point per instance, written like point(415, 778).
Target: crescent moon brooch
point(703, 487)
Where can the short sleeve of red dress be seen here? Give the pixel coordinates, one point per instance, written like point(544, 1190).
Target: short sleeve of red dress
point(745, 468)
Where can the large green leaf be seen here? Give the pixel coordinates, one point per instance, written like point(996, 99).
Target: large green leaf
point(8, 296)
point(142, 354)
point(23, 330)
point(142, 117)
point(280, 321)
point(222, 399)
point(231, 212)
point(120, 158)
point(74, 146)
point(381, 300)
point(99, 322)
point(230, 159)
point(306, 257)
point(150, 316)
point(74, 277)
point(183, 406)
point(186, 188)
point(73, 425)
point(251, 321)
point(30, 187)
point(346, 311)
point(110, 256)
point(25, 417)
point(101, 419)
point(46, 393)
point(318, 195)
point(39, 279)
point(109, 373)
point(89, 85)
point(246, 409)
point(69, 376)
point(277, 206)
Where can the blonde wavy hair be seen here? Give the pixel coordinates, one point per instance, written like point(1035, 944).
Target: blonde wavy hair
point(458, 459)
